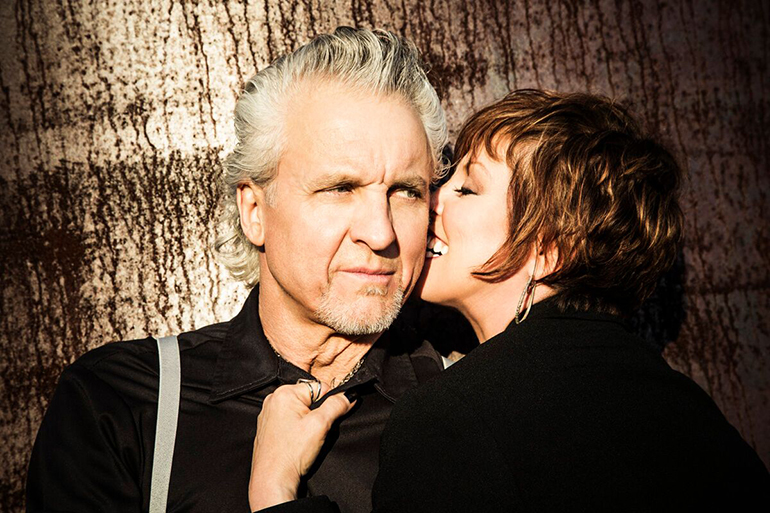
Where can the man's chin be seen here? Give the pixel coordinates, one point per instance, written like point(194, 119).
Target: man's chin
point(371, 311)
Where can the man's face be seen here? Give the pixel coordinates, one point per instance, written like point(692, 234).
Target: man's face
point(345, 227)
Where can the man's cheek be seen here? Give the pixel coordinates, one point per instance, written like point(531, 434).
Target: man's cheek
point(413, 256)
point(415, 237)
point(412, 280)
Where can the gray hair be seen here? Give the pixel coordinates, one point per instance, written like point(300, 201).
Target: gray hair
point(377, 61)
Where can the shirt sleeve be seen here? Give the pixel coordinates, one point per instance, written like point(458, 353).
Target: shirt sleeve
point(437, 455)
point(87, 455)
point(319, 504)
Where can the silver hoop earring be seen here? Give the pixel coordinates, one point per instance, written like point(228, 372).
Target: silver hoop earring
point(529, 289)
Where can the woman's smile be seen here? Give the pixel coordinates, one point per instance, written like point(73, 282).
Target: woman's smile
point(470, 217)
point(436, 247)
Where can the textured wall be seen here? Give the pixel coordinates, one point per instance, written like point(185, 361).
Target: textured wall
point(114, 116)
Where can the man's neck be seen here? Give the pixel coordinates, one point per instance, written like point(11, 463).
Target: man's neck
point(313, 347)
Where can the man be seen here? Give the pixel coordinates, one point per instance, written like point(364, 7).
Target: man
point(326, 205)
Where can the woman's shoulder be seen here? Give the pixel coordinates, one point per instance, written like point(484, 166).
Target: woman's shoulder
point(442, 437)
point(452, 393)
point(558, 358)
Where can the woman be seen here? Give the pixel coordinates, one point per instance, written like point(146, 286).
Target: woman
point(558, 222)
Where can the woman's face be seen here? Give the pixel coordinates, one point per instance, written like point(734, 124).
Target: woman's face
point(471, 224)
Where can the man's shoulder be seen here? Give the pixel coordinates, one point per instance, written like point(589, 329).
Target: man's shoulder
point(111, 352)
point(137, 360)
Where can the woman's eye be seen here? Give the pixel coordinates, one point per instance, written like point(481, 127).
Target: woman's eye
point(464, 191)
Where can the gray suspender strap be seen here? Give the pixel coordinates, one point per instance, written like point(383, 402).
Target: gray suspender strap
point(165, 430)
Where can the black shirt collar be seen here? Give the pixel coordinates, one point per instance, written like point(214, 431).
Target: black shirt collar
point(246, 361)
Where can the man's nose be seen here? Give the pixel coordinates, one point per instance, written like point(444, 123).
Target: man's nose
point(373, 224)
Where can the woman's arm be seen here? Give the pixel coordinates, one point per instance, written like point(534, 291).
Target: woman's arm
point(438, 455)
point(289, 438)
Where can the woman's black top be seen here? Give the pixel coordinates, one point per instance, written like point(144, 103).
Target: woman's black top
point(566, 412)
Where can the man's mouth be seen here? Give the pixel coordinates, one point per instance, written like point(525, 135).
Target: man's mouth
point(371, 274)
point(436, 247)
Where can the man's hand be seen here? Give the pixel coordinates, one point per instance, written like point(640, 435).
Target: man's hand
point(289, 438)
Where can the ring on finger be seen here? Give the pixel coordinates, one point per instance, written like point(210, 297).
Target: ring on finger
point(314, 395)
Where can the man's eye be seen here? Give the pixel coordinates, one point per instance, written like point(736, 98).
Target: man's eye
point(409, 192)
point(339, 189)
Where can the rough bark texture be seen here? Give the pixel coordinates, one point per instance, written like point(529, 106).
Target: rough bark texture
point(114, 116)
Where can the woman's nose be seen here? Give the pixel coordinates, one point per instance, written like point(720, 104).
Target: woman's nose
point(436, 206)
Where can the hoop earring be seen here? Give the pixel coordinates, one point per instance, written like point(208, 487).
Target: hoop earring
point(529, 289)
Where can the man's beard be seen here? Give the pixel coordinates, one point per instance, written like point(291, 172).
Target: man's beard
point(355, 318)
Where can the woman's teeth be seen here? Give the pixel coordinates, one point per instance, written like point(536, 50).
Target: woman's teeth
point(436, 248)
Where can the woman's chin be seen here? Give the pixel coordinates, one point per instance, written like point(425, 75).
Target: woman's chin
point(427, 288)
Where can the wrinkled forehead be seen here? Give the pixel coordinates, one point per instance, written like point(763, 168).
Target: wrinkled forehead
point(325, 106)
point(331, 128)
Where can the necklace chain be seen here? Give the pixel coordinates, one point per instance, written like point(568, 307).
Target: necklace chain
point(349, 375)
point(333, 383)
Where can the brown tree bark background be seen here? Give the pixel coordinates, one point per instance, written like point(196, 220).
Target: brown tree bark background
point(114, 117)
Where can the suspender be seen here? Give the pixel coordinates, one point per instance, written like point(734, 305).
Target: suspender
point(168, 412)
point(165, 430)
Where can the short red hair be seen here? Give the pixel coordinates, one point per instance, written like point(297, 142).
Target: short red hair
point(587, 182)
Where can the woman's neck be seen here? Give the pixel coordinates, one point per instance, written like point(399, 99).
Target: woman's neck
point(491, 310)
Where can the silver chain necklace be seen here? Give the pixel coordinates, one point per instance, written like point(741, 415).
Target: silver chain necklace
point(349, 375)
point(333, 384)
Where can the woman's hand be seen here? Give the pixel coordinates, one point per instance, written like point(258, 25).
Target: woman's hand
point(289, 438)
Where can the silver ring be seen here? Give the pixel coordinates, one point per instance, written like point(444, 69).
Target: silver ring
point(314, 396)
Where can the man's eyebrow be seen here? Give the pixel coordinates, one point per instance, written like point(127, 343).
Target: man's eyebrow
point(411, 182)
point(334, 180)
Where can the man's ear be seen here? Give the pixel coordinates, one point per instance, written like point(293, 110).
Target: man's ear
point(251, 206)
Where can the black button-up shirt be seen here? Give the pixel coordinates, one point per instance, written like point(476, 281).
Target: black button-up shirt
point(95, 446)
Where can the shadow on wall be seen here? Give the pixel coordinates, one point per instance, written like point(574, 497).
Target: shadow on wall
point(660, 318)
